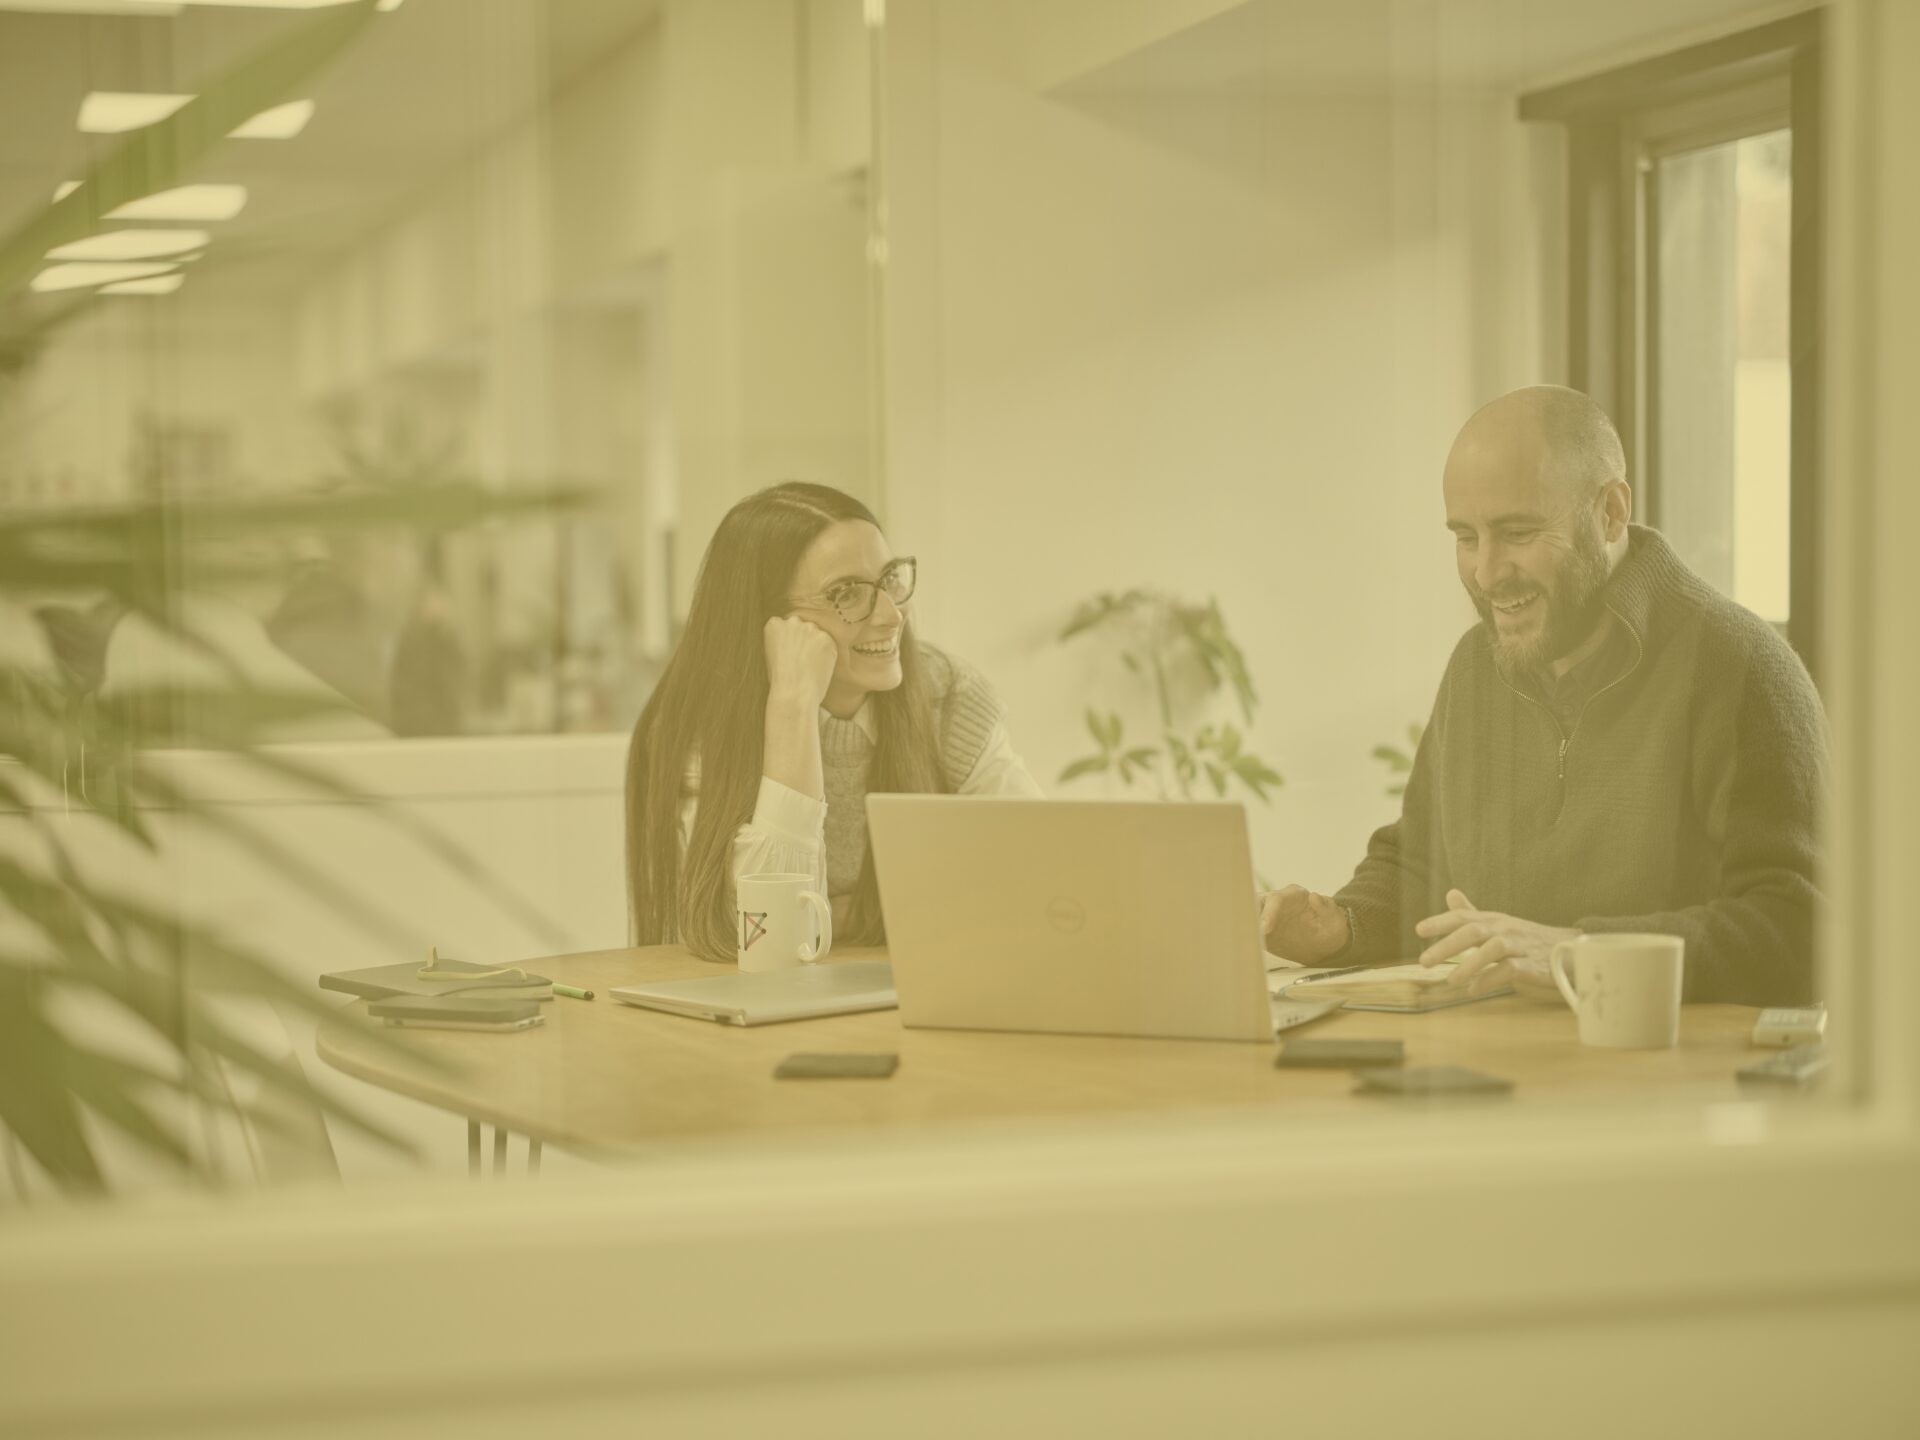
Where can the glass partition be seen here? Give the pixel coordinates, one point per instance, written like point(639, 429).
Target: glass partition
point(377, 372)
point(268, 253)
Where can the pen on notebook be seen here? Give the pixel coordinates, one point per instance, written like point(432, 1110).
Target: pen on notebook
point(1309, 979)
point(574, 991)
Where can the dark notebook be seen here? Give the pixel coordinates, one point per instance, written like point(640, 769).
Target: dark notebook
point(457, 977)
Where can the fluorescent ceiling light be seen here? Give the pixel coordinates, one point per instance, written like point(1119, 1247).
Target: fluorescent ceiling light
point(80, 276)
point(282, 122)
point(131, 245)
point(113, 112)
point(155, 285)
point(185, 202)
point(64, 189)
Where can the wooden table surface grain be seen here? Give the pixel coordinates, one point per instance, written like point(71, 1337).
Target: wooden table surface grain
point(603, 1078)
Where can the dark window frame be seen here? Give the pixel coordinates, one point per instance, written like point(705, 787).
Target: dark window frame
point(1723, 89)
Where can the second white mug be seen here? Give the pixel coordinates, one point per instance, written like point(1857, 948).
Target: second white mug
point(1625, 988)
point(780, 921)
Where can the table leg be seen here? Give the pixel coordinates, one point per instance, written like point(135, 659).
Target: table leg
point(499, 1151)
point(473, 1149)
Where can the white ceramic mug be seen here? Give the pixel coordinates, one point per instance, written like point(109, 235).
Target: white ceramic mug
point(780, 921)
point(1624, 988)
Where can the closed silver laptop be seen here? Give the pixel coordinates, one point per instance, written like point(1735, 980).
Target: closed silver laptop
point(1081, 917)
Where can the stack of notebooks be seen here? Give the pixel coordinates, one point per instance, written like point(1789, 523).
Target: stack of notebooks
point(455, 995)
point(1407, 989)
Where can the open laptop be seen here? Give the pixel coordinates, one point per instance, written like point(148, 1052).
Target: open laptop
point(1082, 917)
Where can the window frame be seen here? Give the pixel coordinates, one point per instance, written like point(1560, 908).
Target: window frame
point(1617, 124)
point(1021, 1275)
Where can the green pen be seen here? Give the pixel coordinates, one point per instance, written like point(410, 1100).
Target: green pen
point(573, 991)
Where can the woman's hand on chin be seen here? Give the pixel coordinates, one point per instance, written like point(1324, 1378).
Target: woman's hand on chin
point(800, 661)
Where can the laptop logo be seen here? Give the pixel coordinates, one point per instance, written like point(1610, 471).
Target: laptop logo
point(753, 925)
point(1065, 915)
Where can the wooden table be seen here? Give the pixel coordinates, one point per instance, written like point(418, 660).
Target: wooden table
point(602, 1078)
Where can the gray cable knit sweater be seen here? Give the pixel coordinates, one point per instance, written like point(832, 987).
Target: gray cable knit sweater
point(965, 714)
point(1684, 799)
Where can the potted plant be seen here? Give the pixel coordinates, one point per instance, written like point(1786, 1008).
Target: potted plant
point(1164, 641)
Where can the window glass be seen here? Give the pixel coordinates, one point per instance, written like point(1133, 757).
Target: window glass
point(1723, 249)
point(389, 367)
point(270, 253)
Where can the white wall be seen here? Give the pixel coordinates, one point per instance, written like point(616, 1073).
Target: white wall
point(1214, 343)
point(71, 424)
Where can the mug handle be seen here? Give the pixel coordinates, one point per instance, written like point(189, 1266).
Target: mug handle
point(811, 953)
point(1560, 974)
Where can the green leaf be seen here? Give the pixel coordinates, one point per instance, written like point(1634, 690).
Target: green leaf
point(94, 546)
point(1204, 628)
point(1256, 775)
point(109, 1087)
point(156, 157)
point(456, 858)
point(1143, 756)
point(1251, 767)
point(1218, 777)
point(35, 730)
point(36, 1096)
point(1184, 768)
point(1101, 608)
point(291, 1084)
point(1089, 765)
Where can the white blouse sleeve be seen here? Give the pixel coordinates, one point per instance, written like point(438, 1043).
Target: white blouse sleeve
point(786, 834)
point(999, 771)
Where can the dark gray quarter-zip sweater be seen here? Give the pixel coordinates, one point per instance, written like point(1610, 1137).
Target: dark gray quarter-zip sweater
point(1685, 798)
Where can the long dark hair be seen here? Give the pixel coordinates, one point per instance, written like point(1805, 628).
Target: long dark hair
point(712, 702)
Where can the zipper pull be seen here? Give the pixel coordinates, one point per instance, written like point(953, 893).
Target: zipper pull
point(1564, 742)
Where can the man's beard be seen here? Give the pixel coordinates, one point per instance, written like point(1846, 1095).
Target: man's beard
point(1574, 601)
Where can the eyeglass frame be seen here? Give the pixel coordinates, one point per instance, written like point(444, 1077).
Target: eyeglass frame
point(872, 587)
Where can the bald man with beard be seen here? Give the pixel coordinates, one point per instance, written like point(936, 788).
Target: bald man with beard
point(1615, 746)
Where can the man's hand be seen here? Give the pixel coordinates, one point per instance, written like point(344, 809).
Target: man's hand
point(1302, 926)
point(800, 662)
point(1511, 951)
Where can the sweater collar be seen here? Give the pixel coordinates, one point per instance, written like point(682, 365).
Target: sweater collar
point(861, 720)
point(1649, 567)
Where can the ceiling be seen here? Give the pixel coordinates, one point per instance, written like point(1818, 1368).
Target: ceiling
point(1316, 46)
point(426, 86)
point(433, 81)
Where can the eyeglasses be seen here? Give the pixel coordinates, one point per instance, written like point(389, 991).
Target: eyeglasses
point(854, 600)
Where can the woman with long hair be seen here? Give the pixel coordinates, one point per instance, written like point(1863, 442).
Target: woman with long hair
point(798, 687)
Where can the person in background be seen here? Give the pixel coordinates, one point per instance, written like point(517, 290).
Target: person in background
point(342, 609)
point(1615, 746)
point(429, 687)
point(798, 687)
point(367, 612)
